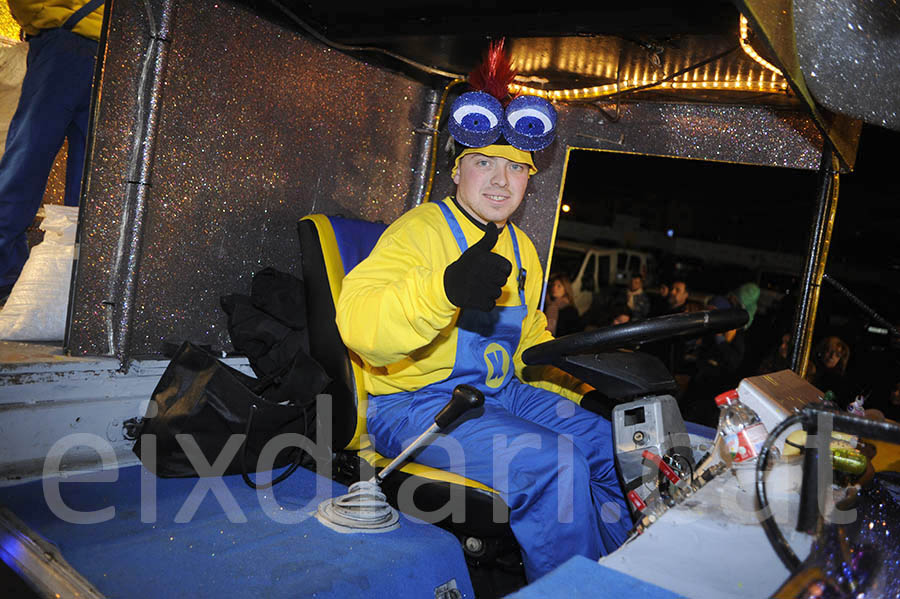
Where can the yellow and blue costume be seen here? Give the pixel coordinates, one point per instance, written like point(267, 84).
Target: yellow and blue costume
point(54, 106)
point(36, 17)
point(550, 460)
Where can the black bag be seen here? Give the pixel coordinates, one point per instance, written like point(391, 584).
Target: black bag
point(269, 327)
point(201, 396)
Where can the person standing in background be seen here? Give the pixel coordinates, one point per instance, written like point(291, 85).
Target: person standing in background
point(559, 307)
point(54, 106)
point(636, 299)
point(828, 371)
point(659, 301)
point(747, 297)
point(718, 362)
point(678, 297)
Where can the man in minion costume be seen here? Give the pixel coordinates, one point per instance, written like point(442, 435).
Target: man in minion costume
point(450, 295)
point(54, 105)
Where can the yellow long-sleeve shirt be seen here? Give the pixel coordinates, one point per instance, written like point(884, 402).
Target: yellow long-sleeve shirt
point(35, 17)
point(393, 311)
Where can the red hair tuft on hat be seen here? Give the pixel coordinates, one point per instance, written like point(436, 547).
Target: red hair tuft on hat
point(494, 74)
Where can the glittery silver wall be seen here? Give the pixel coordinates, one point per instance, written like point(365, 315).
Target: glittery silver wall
point(849, 51)
point(256, 127)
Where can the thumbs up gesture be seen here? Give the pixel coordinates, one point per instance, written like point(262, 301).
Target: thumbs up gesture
point(477, 277)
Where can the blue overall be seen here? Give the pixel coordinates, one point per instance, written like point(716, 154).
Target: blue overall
point(54, 105)
point(549, 459)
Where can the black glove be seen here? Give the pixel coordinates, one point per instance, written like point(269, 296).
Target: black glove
point(477, 277)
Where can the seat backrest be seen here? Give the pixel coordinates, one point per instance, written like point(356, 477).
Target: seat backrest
point(330, 247)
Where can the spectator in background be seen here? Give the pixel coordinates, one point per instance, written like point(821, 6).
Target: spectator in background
point(719, 358)
point(828, 371)
point(659, 301)
point(886, 386)
point(676, 353)
point(678, 297)
point(620, 314)
point(746, 296)
point(559, 307)
point(636, 299)
point(891, 409)
point(616, 312)
point(779, 359)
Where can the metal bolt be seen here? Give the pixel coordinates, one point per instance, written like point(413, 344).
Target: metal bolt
point(474, 545)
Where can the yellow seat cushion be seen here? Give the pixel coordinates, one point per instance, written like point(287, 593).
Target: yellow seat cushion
point(378, 461)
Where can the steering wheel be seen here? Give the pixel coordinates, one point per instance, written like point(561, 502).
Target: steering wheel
point(690, 324)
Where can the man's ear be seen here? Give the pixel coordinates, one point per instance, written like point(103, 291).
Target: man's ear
point(456, 177)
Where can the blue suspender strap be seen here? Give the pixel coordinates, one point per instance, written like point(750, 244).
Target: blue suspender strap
point(81, 13)
point(522, 273)
point(454, 227)
point(512, 235)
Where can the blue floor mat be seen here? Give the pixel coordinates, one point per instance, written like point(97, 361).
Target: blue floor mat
point(181, 542)
point(581, 578)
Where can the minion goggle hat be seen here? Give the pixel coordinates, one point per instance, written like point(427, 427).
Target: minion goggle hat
point(502, 150)
point(478, 119)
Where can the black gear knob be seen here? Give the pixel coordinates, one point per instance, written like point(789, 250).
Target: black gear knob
point(464, 398)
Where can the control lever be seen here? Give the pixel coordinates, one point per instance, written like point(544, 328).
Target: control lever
point(365, 508)
point(464, 398)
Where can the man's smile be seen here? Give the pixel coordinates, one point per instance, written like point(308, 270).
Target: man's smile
point(490, 188)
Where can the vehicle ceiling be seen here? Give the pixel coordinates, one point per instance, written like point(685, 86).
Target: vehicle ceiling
point(553, 46)
point(833, 59)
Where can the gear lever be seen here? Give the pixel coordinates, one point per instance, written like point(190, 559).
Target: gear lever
point(364, 508)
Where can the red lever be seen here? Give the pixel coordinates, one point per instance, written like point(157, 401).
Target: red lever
point(663, 467)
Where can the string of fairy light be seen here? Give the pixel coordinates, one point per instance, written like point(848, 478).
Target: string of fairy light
point(748, 48)
point(712, 77)
point(639, 76)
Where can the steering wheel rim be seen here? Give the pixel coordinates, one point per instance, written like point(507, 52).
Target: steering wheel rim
point(642, 331)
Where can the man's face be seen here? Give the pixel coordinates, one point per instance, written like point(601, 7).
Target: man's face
point(490, 188)
point(678, 294)
point(636, 283)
